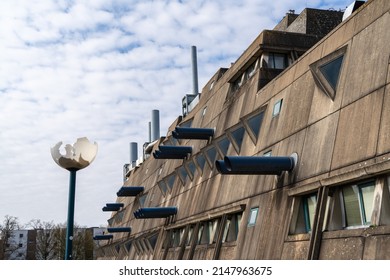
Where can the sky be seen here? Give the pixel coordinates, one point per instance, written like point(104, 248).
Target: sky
point(96, 69)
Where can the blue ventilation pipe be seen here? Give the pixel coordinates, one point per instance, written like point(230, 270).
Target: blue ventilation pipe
point(193, 133)
point(155, 212)
point(103, 237)
point(119, 229)
point(221, 167)
point(129, 191)
point(172, 152)
point(262, 165)
point(112, 207)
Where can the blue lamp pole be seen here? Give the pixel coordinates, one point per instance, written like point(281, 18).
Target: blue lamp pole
point(77, 157)
point(70, 220)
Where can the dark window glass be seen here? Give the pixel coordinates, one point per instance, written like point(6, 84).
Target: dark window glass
point(211, 155)
point(200, 159)
point(163, 187)
point(183, 174)
point(238, 136)
point(186, 123)
point(171, 181)
point(255, 123)
point(224, 145)
point(331, 71)
point(358, 203)
point(153, 240)
point(128, 246)
point(191, 168)
point(142, 200)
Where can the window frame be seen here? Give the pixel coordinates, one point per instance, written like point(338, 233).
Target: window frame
point(252, 210)
point(231, 132)
point(362, 214)
point(319, 78)
point(248, 127)
point(301, 222)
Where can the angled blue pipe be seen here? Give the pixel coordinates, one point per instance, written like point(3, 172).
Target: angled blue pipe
point(155, 212)
point(129, 191)
point(221, 167)
point(115, 205)
point(161, 155)
point(193, 133)
point(119, 229)
point(103, 237)
point(176, 149)
point(257, 165)
point(172, 152)
point(109, 209)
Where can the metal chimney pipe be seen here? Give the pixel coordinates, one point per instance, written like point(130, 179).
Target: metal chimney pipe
point(150, 131)
point(155, 125)
point(133, 153)
point(194, 70)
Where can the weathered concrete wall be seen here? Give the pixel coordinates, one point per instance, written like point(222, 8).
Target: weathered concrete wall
point(334, 140)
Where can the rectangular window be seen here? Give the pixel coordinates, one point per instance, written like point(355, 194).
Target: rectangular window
point(253, 216)
point(232, 226)
point(303, 216)
point(251, 70)
point(277, 108)
point(274, 61)
point(358, 203)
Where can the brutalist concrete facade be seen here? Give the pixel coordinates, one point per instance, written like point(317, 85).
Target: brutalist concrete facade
point(327, 102)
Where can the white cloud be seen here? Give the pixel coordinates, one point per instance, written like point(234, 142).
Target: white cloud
point(97, 68)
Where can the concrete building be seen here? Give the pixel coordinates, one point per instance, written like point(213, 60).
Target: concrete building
point(20, 245)
point(295, 163)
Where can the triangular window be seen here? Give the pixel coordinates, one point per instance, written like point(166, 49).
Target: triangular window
point(253, 125)
point(331, 71)
point(326, 72)
point(237, 136)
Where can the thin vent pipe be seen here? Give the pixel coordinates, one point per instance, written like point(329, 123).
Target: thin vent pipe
point(194, 70)
point(155, 130)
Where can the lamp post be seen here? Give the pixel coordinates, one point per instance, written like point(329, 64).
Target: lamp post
point(76, 157)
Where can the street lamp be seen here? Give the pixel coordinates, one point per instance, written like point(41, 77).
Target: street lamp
point(76, 157)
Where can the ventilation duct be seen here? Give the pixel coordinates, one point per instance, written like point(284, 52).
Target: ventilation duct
point(265, 165)
point(133, 153)
point(193, 133)
point(190, 100)
point(112, 207)
point(155, 212)
point(129, 191)
point(172, 152)
point(119, 229)
point(103, 237)
point(155, 125)
point(194, 64)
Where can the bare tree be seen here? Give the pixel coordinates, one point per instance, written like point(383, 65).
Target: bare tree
point(7, 231)
point(83, 244)
point(45, 239)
